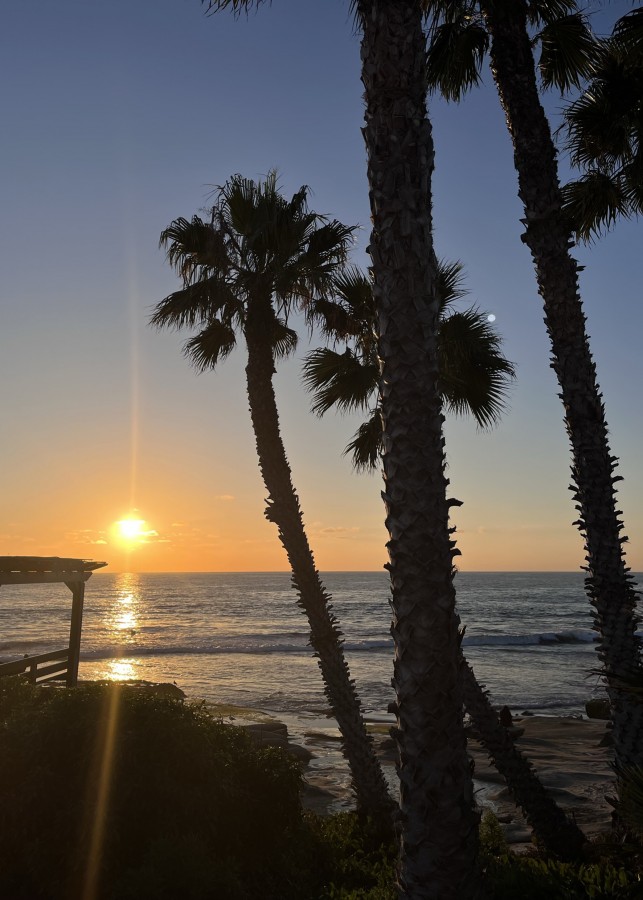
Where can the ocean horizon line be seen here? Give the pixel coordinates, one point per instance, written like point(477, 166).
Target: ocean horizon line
point(103, 572)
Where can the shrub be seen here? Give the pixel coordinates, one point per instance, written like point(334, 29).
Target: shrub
point(191, 807)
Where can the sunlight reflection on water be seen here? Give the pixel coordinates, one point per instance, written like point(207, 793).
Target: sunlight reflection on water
point(121, 670)
point(122, 617)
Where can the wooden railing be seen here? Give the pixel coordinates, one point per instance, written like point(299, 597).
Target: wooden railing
point(35, 670)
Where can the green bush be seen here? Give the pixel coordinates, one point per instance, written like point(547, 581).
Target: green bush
point(193, 808)
point(509, 877)
point(358, 864)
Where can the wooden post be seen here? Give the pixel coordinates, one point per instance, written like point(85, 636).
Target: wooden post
point(77, 589)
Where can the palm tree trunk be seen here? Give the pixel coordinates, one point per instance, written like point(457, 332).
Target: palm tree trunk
point(557, 834)
point(283, 509)
point(439, 835)
point(548, 236)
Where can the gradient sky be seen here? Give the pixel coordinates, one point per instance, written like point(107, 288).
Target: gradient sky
point(118, 117)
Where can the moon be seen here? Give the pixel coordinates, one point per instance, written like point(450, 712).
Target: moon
point(491, 318)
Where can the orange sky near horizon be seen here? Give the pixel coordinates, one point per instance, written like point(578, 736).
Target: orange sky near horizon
point(201, 498)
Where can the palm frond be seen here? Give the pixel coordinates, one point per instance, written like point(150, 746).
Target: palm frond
point(339, 379)
point(210, 346)
point(355, 289)
point(444, 11)
point(455, 55)
point(196, 304)
point(284, 339)
point(593, 203)
point(602, 126)
point(239, 206)
point(350, 317)
point(569, 52)
point(474, 375)
point(595, 135)
point(449, 283)
point(365, 449)
point(330, 242)
point(632, 181)
point(312, 263)
point(194, 244)
point(352, 313)
point(603, 131)
point(542, 12)
point(237, 6)
point(333, 319)
point(628, 32)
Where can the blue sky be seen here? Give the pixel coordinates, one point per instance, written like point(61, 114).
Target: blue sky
point(119, 117)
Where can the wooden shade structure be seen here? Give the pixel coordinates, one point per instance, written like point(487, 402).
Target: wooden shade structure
point(51, 570)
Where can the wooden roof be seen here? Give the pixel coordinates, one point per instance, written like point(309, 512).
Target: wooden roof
point(42, 569)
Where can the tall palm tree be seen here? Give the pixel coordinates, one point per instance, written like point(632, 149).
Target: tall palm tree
point(604, 131)
point(438, 845)
point(568, 55)
point(473, 373)
point(474, 378)
point(259, 257)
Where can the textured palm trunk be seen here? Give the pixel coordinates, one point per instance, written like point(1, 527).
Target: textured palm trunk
point(283, 509)
point(608, 582)
point(438, 820)
point(553, 830)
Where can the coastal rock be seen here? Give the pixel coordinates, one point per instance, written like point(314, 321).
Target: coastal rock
point(303, 754)
point(275, 734)
point(163, 689)
point(154, 688)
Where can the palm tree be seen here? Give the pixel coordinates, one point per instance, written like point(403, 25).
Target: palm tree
point(604, 134)
point(259, 257)
point(473, 373)
point(473, 379)
point(438, 845)
point(568, 55)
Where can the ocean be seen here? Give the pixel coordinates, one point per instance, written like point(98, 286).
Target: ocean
point(239, 638)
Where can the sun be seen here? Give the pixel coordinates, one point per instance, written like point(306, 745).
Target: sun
point(130, 529)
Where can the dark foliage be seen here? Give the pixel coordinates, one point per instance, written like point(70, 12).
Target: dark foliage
point(194, 810)
point(197, 812)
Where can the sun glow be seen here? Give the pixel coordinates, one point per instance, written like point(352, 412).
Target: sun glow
point(130, 529)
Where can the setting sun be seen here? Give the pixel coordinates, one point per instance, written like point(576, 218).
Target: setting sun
point(131, 529)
